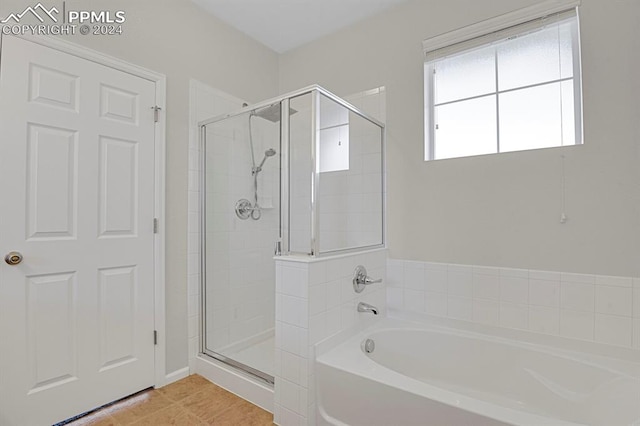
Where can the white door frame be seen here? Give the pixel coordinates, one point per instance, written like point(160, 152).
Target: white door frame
point(160, 81)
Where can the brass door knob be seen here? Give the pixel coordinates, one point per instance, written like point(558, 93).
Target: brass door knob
point(13, 258)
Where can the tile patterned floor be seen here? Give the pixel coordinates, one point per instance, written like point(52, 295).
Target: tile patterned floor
point(193, 401)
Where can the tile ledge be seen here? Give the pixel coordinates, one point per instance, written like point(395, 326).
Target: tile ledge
point(309, 259)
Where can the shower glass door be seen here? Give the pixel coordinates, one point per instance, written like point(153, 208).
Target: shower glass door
point(241, 223)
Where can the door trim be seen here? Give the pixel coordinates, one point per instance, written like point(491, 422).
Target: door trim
point(160, 80)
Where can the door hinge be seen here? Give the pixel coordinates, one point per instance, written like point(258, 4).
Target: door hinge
point(155, 337)
point(155, 225)
point(156, 113)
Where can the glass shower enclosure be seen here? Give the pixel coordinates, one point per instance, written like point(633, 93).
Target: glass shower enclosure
point(302, 175)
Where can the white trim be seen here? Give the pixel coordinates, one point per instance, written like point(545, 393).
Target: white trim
point(193, 347)
point(429, 113)
point(99, 58)
point(498, 23)
point(160, 236)
point(578, 93)
point(176, 375)
point(159, 176)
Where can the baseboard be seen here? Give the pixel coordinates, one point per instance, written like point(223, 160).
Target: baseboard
point(176, 375)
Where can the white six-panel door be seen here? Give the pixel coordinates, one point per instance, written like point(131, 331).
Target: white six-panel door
point(76, 198)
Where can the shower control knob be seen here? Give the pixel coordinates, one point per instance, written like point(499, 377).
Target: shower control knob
point(361, 279)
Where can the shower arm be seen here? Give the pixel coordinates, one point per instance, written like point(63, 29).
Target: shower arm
point(259, 168)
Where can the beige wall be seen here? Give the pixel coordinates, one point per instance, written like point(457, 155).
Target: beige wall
point(499, 210)
point(176, 38)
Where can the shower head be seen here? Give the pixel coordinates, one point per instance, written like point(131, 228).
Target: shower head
point(271, 112)
point(268, 153)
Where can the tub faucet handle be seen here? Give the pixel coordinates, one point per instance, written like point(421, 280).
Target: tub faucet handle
point(361, 279)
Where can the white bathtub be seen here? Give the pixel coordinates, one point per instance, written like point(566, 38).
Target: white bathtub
point(430, 374)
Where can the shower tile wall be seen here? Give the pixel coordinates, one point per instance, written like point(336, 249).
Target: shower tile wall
point(240, 267)
point(350, 200)
point(597, 308)
point(241, 315)
point(300, 172)
point(206, 102)
point(315, 300)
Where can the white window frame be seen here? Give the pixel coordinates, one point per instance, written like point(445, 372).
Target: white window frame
point(482, 30)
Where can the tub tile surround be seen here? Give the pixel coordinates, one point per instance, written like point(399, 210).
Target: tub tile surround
point(315, 300)
point(602, 309)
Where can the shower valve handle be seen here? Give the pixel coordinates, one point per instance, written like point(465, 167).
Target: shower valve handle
point(361, 279)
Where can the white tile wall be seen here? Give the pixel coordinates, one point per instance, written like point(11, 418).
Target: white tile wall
point(240, 269)
point(614, 300)
point(577, 325)
point(603, 309)
point(513, 315)
point(485, 311)
point(544, 319)
point(544, 292)
point(614, 330)
point(314, 301)
point(577, 296)
point(350, 200)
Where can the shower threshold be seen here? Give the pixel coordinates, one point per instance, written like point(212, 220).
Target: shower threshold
point(255, 355)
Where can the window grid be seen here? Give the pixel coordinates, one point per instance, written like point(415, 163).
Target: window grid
point(431, 121)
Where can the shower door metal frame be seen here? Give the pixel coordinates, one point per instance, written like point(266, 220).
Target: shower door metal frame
point(314, 250)
point(203, 273)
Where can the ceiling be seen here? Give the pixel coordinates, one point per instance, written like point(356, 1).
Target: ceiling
point(285, 24)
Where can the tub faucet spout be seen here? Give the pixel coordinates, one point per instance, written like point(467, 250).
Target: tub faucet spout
point(365, 307)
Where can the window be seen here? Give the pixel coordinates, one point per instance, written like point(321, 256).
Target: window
point(511, 89)
point(334, 136)
point(334, 148)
